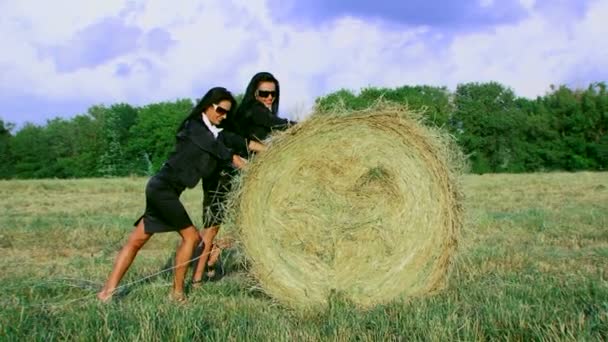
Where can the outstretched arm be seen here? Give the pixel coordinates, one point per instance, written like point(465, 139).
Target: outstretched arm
point(267, 119)
point(240, 145)
point(259, 115)
point(238, 161)
point(256, 146)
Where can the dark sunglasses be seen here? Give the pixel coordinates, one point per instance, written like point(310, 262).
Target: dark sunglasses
point(265, 93)
point(220, 110)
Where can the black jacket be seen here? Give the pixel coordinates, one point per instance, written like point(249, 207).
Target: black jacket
point(199, 155)
point(257, 122)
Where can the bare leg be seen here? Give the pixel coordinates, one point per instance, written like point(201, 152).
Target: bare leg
point(190, 239)
point(208, 235)
point(216, 251)
point(213, 258)
point(124, 259)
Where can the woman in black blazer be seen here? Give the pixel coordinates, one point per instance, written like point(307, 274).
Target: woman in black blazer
point(199, 152)
point(257, 116)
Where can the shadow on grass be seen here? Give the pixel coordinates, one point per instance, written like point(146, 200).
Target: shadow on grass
point(231, 278)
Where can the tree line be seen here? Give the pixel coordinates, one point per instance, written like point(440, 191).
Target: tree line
point(499, 132)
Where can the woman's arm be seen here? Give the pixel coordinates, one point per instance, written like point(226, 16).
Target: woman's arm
point(262, 116)
point(235, 142)
point(256, 146)
point(238, 161)
point(240, 145)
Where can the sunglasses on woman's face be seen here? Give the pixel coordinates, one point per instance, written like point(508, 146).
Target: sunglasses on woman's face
point(265, 93)
point(220, 110)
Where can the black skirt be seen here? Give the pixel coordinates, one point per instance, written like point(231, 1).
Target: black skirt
point(164, 212)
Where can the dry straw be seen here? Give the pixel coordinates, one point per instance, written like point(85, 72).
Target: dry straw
point(365, 204)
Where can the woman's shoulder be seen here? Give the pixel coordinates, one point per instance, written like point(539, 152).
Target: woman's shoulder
point(255, 108)
point(196, 132)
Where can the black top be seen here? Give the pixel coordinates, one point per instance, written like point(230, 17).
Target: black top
point(235, 142)
point(257, 122)
point(198, 154)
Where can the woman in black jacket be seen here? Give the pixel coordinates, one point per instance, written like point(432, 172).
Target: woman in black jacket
point(255, 119)
point(257, 116)
point(199, 152)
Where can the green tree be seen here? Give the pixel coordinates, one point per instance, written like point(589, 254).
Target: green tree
point(152, 137)
point(341, 98)
point(29, 148)
point(595, 107)
point(537, 140)
point(578, 118)
point(6, 157)
point(89, 142)
point(489, 127)
point(565, 129)
point(60, 148)
point(434, 101)
point(115, 123)
point(111, 162)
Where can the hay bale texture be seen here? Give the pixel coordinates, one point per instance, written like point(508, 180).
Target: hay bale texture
point(364, 204)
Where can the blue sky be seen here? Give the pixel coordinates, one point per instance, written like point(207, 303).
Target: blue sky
point(61, 57)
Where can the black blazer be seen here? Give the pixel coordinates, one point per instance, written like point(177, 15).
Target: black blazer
point(198, 154)
point(258, 122)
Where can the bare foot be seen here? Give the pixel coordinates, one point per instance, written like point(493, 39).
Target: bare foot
point(178, 297)
point(197, 283)
point(105, 296)
point(216, 251)
point(213, 259)
point(210, 271)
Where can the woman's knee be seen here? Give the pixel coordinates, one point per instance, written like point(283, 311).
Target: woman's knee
point(138, 237)
point(208, 234)
point(136, 243)
point(190, 236)
point(196, 239)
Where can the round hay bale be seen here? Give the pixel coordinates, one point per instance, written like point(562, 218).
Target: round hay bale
point(364, 204)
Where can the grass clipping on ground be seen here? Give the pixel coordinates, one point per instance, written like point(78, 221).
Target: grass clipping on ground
point(363, 204)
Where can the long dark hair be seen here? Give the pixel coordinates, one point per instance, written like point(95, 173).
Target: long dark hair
point(213, 96)
point(249, 98)
point(253, 86)
point(237, 122)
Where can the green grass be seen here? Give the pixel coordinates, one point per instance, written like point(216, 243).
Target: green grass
point(533, 265)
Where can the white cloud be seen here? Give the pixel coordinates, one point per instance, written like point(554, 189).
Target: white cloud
point(486, 3)
point(527, 4)
point(222, 43)
point(54, 21)
point(532, 54)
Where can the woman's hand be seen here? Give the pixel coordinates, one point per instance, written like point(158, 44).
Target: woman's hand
point(238, 161)
point(256, 146)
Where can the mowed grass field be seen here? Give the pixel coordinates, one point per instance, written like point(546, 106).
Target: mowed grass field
point(532, 265)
